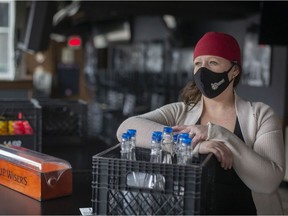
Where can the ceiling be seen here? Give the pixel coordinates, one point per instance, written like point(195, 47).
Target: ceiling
point(95, 11)
point(92, 12)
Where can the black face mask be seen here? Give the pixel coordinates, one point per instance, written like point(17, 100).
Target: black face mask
point(212, 84)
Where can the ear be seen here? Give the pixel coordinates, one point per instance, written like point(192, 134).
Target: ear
point(236, 71)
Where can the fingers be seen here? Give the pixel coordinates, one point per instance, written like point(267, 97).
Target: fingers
point(226, 157)
point(196, 138)
point(197, 132)
point(180, 128)
point(217, 154)
point(220, 150)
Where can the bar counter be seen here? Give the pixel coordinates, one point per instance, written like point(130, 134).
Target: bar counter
point(80, 158)
point(15, 203)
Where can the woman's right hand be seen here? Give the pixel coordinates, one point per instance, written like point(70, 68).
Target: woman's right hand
point(220, 150)
point(197, 132)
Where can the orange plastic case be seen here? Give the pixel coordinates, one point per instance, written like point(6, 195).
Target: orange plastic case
point(34, 174)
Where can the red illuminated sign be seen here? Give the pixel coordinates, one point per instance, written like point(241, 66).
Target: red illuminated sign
point(74, 41)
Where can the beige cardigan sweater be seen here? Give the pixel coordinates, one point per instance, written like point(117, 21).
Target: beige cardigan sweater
point(259, 162)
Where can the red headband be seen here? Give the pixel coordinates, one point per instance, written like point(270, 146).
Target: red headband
point(218, 44)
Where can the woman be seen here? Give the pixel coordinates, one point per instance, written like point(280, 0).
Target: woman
point(246, 137)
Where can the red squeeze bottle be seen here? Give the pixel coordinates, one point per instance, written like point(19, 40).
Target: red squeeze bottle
point(20, 115)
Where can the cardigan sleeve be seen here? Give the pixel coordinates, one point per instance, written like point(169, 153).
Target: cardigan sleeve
point(261, 167)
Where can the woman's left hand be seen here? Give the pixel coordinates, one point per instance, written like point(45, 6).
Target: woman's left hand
point(197, 132)
point(220, 150)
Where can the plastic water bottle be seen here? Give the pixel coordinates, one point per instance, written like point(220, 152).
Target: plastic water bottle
point(181, 136)
point(156, 152)
point(184, 153)
point(132, 140)
point(175, 137)
point(133, 178)
point(153, 180)
point(125, 146)
point(167, 145)
point(175, 140)
point(128, 146)
point(132, 132)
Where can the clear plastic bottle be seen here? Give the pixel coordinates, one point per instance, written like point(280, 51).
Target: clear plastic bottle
point(132, 140)
point(133, 178)
point(185, 153)
point(155, 181)
point(181, 136)
point(132, 132)
point(146, 180)
point(175, 140)
point(125, 146)
point(156, 152)
point(167, 145)
point(128, 144)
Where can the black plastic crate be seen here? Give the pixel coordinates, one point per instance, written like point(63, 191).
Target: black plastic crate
point(188, 189)
point(63, 121)
point(30, 111)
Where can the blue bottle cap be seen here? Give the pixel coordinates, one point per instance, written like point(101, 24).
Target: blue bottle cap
point(156, 138)
point(132, 132)
point(157, 134)
point(126, 136)
point(168, 129)
point(175, 137)
point(187, 141)
point(184, 135)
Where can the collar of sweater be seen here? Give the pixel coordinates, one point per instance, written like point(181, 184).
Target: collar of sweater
point(246, 117)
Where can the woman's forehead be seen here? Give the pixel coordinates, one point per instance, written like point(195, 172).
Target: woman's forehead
point(203, 57)
point(208, 57)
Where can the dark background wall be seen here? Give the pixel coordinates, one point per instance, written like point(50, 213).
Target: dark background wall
point(275, 94)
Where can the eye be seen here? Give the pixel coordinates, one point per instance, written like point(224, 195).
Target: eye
point(213, 63)
point(197, 64)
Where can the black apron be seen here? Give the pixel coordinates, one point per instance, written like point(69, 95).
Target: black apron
point(231, 195)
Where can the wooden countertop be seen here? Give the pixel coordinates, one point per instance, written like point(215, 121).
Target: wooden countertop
point(16, 84)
